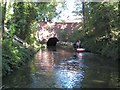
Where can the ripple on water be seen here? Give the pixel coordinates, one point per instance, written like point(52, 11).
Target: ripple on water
point(68, 78)
point(60, 70)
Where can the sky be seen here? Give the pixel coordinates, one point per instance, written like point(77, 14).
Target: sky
point(67, 13)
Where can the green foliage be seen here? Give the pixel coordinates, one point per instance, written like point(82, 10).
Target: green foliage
point(111, 51)
point(13, 56)
point(76, 34)
point(3, 9)
point(64, 35)
point(0, 14)
point(12, 30)
point(101, 28)
point(46, 11)
point(24, 15)
point(22, 23)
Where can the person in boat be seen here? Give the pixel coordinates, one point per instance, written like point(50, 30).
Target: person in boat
point(77, 44)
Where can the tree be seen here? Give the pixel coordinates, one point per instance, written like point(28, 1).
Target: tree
point(3, 14)
point(46, 11)
point(24, 15)
point(101, 27)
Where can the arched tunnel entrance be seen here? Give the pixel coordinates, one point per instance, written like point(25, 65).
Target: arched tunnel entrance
point(52, 41)
point(61, 30)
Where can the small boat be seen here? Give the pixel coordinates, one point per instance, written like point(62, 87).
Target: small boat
point(79, 50)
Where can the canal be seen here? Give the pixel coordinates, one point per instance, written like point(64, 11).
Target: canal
point(62, 68)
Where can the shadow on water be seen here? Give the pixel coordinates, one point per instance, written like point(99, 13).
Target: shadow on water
point(59, 68)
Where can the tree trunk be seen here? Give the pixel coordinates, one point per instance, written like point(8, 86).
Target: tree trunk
point(3, 15)
point(83, 12)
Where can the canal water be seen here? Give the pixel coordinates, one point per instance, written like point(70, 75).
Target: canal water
point(61, 68)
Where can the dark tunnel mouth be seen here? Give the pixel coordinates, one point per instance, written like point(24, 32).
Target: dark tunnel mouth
point(52, 41)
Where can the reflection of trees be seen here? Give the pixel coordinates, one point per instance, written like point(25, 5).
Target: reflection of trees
point(45, 60)
point(98, 73)
point(19, 79)
point(0, 66)
point(100, 78)
point(114, 80)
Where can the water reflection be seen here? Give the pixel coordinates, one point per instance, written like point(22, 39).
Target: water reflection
point(62, 69)
point(69, 79)
point(70, 75)
point(45, 60)
point(80, 56)
point(65, 68)
point(18, 79)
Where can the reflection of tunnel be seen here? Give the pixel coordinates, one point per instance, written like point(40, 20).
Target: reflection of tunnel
point(52, 41)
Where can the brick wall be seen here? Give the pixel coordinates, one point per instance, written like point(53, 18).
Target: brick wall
point(62, 30)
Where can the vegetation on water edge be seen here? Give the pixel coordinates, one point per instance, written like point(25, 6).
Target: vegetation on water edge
point(21, 23)
point(102, 28)
point(100, 31)
point(14, 56)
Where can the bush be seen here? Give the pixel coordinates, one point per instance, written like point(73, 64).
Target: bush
point(13, 56)
point(110, 51)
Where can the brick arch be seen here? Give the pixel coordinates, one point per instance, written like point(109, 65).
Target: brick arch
point(48, 29)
